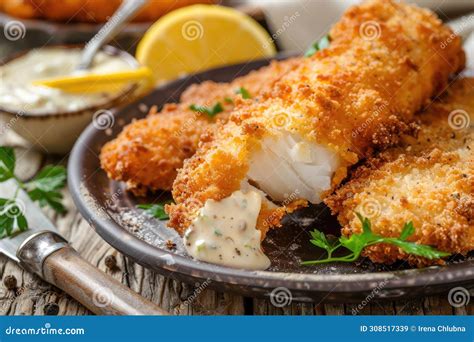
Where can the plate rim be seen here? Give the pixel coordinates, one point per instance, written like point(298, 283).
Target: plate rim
point(153, 257)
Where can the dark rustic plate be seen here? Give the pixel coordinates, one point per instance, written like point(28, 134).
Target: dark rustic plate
point(112, 211)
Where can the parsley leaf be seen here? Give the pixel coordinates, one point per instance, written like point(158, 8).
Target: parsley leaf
point(44, 188)
point(228, 100)
point(210, 111)
point(50, 178)
point(155, 210)
point(318, 46)
point(357, 242)
point(319, 239)
point(244, 92)
point(408, 230)
point(11, 217)
point(417, 249)
point(7, 163)
point(48, 198)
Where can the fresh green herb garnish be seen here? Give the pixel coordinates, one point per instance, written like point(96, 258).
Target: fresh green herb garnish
point(155, 210)
point(228, 100)
point(11, 217)
point(7, 163)
point(318, 46)
point(357, 242)
point(210, 111)
point(244, 92)
point(44, 189)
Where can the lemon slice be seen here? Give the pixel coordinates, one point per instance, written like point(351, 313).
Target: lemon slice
point(91, 83)
point(200, 37)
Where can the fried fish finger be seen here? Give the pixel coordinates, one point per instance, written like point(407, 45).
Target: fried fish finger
point(428, 181)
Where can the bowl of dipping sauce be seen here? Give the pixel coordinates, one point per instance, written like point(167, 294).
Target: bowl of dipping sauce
point(52, 119)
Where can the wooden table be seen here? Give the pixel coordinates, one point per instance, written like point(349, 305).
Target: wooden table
point(32, 296)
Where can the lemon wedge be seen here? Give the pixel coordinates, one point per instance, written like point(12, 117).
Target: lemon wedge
point(91, 83)
point(200, 37)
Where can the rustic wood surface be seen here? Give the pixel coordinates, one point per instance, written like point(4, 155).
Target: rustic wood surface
point(32, 296)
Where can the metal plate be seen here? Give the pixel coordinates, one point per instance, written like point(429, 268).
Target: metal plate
point(112, 211)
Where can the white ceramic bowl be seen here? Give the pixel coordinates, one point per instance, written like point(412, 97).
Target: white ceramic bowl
point(56, 133)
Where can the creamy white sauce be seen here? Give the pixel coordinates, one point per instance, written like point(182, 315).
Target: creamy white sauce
point(18, 94)
point(225, 232)
point(286, 165)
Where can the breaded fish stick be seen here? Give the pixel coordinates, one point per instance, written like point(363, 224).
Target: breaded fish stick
point(428, 180)
point(148, 152)
point(385, 60)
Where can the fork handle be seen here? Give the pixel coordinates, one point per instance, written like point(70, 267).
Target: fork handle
point(48, 255)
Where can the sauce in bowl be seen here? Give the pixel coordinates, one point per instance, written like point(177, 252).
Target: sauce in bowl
point(18, 94)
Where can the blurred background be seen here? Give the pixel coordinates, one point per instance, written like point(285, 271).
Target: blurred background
point(293, 24)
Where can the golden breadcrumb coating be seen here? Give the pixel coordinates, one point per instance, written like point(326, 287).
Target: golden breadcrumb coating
point(93, 11)
point(428, 180)
point(148, 152)
point(351, 98)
